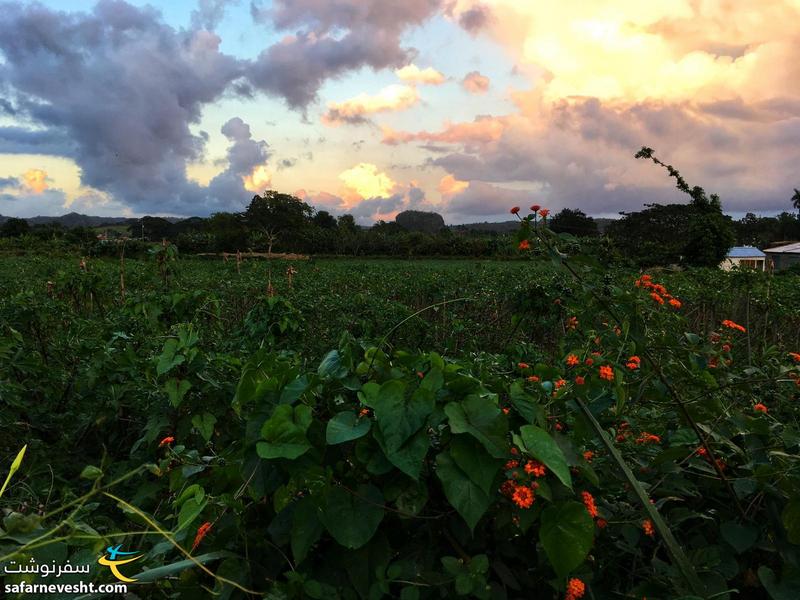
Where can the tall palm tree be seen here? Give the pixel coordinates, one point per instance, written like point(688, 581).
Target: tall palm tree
point(796, 201)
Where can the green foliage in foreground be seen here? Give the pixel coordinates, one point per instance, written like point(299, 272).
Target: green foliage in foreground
point(334, 454)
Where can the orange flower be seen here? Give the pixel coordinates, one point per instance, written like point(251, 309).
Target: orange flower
point(647, 526)
point(202, 531)
point(572, 323)
point(543, 213)
point(726, 347)
point(364, 412)
point(559, 426)
point(601, 523)
point(634, 362)
point(731, 325)
point(648, 438)
point(535, 207)
point(523, 365)
point(588, 362)
point(524, 245)
point(533, 378)
point(588, 456)
point(656, 297)
point(588, 501)
point(795, 356)
point(523, 497)
point(760, 408)
point(514, 210)
point(535, 468)
point(560, 383)
point(166, 441)
point(713, 363)
point(675, 303)
point(572, 360)
point(701, 451)
point(579, 380)
point(607, 372)
point(575, 589)
point(512, 464)
point(508, 487)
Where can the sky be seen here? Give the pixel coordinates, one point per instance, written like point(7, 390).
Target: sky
point(371, 107)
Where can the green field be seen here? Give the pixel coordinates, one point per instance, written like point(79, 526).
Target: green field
point(347, 431)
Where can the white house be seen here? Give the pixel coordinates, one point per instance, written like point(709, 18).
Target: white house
point(783, 257)
point(744, 256)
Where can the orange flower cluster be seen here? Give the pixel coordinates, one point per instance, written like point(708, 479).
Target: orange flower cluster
point(523, 497)
point(572, 323)
point(533, 378)
point(572, 360)
point(658, 292)
point(523, 365)
point(648, 438)
point(761, 408)
point(535, 468)
point(512, 464)
point(601, 523)
point(731, 325)
point(634, 362)
point(166, 441)
point(535, 207)
point(795, 356)
point(202, 531)
point(607, 372)
point(524, 245)
point(514, 210)
point(364, 412)
point(647, 527)
point(588, 501)
point(575, 589)
point(579, 380)
point(589, 362)
point(560, 383)
point(588, 456)
point(544, 212)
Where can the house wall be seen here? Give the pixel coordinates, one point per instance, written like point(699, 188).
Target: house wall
point(730, 263)
point(782, 261)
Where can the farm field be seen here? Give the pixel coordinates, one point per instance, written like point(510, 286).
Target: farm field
point(413, 429)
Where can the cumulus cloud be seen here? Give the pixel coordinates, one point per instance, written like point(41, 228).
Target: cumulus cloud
point(450, 186)
point(247, 169)
point(329, 39)
point(355, 110)
point(35, 180)
point(482, 200)
point(8, 183)
point(413, 74)
point(475, 83)
point(209, 13)
point(366, 180)
point(475, 17)
point(483, 129)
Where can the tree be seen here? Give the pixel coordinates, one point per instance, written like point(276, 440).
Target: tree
point(324, 219)
point(573, 221)
point(796, 201)
point(277, 212)
point(417, 220)
point(14, 228)
point(347, 223)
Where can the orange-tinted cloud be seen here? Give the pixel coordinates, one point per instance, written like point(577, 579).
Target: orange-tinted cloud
point(482, 130)
point(450, 186)
point(258, 180)
point(365, 180)
point(356, 110)
point(475, 83)
point(413, 74)
point(35, 180)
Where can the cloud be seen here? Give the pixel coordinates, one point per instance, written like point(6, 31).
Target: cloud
point(8, 183)
point(330, 39)
point(209, 13)
point(116, 90)
point(413, 74)
point(475, 18)
point(483, 129)
point(35, 180)
point(480, 199)
point(247, 169)
point(355, 110)
point(475, 83)
point(365, 180)
point(450, 186)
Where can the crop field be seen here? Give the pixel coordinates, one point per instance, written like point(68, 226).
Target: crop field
point(412, 429)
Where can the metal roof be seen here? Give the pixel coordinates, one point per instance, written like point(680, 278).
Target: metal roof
point(793, 248)
point(745, 252)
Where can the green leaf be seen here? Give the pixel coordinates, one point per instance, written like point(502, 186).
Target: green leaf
point(91, 472)
point(567, 534)
point(787, 589)
point(331, 366)
point(464, 495)
point(352, 518)
point(410, 456)
point(190, 510)
point(15, 465)
point(399, 418)
point(524, 403)
point(791, 521)
point(472, 458)
point(169, 359)
point(205, 424)
point(346, 426)
point(539, 444)
point(285, 433)
point(177, 567)
point(306, 527)
point(176, 389)
point(292, 391)
point(481, 418)
point(740, 537)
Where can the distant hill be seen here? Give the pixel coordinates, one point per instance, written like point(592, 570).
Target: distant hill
point(73, 219)
point(502, 227)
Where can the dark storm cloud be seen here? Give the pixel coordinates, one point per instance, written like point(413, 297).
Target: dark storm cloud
point(124, 88)
point(329, 39)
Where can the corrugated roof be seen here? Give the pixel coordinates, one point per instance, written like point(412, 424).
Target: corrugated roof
point(793, 248)
point(745, 252)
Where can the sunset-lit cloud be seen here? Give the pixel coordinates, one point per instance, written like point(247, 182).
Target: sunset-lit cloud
point(449, 186)
point(367, 181)
point(413, 74)
point(482, 129)
point(35, 180)
point(258, 180)
point(475, 83)
point(356, 110)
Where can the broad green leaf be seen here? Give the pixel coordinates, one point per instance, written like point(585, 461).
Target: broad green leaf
point(176, 389)
point(331, 366)
point(306, 527)
point(205, 424)
point(352, 518)
point(177, 567)
point(410, 456)
point(346, 426)
point(567, 533)
point(169, 359)
point(472, 458)
point(91, 472)
point(788, 588)
point(481, 418)
point(464, 495)
point(524, 403)
point(293, 390)
point(399, 417)
point(539, 444)
point(285, 433)
point(791, 521)
point(190, 510)
point(740, 537)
